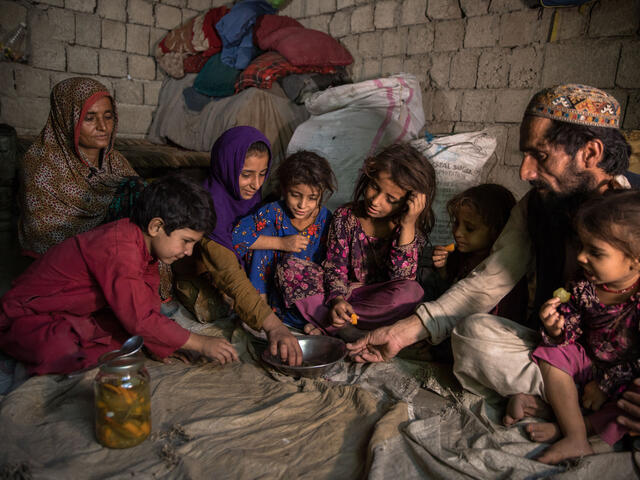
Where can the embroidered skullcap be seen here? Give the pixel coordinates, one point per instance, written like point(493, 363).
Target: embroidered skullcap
point(575, 103)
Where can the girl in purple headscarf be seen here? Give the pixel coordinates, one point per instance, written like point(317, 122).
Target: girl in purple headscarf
point(240, 162)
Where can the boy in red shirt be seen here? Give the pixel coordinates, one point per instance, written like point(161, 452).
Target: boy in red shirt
point(85, 296)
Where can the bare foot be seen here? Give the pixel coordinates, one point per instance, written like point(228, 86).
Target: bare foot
point(311, 329)
point(544, 432)
point(566, 448)
point(523, 405)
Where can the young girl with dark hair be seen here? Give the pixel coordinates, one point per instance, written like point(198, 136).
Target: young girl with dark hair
point(373, 247)
point(295, 226)
point(593, 338)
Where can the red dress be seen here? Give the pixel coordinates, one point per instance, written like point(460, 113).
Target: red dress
point(83, 298)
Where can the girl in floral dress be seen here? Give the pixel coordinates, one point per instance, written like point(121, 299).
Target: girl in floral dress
point(593, 339)
point(373, 246)
point(294, 227)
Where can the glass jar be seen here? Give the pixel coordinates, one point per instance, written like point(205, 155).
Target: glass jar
point(122, 402)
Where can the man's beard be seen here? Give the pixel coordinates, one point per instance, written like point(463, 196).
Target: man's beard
point(581, 187)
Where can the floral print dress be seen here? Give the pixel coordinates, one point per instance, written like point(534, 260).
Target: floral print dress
point(272, 220)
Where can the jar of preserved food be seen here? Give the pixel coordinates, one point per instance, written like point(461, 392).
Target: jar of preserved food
point(122, 402)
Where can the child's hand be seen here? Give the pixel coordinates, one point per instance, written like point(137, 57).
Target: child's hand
point(553, 322)
point(340, 313)
point(439, 256)
point(295, 243)
point(219, 349)
point(593, 397)
point(415, 205)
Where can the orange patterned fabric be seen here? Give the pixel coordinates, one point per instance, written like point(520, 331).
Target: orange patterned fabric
point(60, 194)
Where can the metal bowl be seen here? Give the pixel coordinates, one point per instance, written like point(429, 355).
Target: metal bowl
point(319, 354)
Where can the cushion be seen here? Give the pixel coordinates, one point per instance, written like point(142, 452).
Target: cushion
point(216, 79)
point(304, 46)
point(267, 24)
point(270, 66)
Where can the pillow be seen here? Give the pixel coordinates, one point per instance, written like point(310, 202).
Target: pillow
point(268, 67)
point(303, 46)
point(216, 79)
point(267, 24)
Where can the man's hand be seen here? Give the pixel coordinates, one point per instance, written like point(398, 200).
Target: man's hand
point(630, 403)
point(282, 343)
point(215, 348)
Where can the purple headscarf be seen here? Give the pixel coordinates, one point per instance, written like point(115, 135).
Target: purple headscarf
point(227, 161)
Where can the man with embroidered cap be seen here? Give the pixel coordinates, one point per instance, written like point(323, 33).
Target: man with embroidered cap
point(572, 147)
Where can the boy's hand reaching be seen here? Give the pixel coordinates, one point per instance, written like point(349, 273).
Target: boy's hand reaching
point(593, 397)
point(215, 348)
point(295, 243)
point(553, 322)
point(341, 312)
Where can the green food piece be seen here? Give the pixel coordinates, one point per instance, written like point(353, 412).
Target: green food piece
point(562, 294)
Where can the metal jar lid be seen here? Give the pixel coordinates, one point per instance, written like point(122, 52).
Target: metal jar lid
point(122, 365)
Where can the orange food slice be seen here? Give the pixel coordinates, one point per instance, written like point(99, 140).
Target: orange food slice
point(450, 248)
point(354, 319)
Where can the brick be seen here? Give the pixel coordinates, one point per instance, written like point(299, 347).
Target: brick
point(312, 8)
point(152, 92)
point(362, 19)
point(138, 39)
point(24, 112)
point(464, 66)
point(340, 4)
point(327, 6)
point(80, 5)
point(420, 39)
point(55, 3)
point(413, 12)
point(112, 9)
point(340, 24)
point(629, 67)
point(200, 5)
point(443, 9)
point(440, 69)
point(500, 133)
point(7, 80)
point(355, 69)
point(175, 3)
point(524, 28)
point(11, 14)
point(58, 77)
point(371, 69)
point(293, 9)
point(571, 23)
point(82, 59)
point(512, 155)
point(464, 127)
point(394, 42)
point(502, 6)
point(472, 8)
point(155, 35)
point(526, 65)
point(493, 68)
point(188, 14)
point(482, 31)
point(385, 14)
point(49, 55)
point(446, 105)
point(439, 127)
point(142, 67)
point(614, 18)
point(427, 106)
point(350, 42)
point(140, 11)
point(321, 23)
point(88, 30)
point(417, 65)
point(392, 65)
point(134, 119)
point(509, 177)
point(575, 64)
point(168, 17)
point(63, 23)
point(128, 91)
point(477, 105)
point(221, 3)
point(449, 35)
point(113, 35)
point(632, 112)
point(112, 64)
point(369, 45)
point(510, 105)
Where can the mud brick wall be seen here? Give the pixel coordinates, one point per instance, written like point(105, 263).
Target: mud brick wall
point(478, 61)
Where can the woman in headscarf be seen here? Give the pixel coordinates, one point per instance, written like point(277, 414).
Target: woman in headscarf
point(240, 162)
point(71, 173)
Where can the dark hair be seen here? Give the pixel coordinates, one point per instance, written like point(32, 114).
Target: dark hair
point(572, 137)
point(410, 170)
point(306, 168)
point(257, 147)
point(179, 201)
point(491, 201)
point(613, 217)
